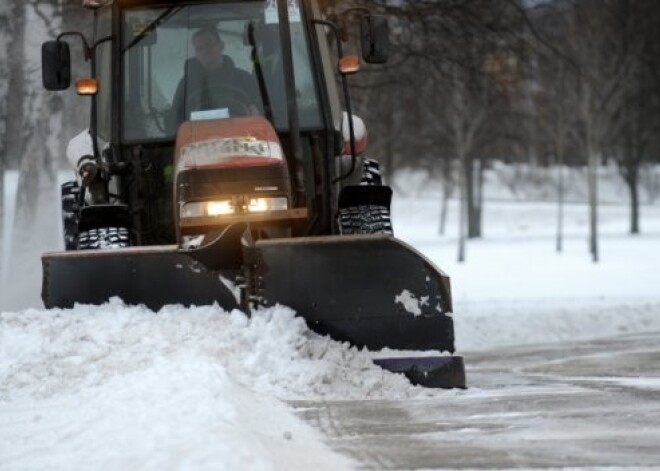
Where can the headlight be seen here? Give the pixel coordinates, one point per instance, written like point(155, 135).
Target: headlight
point(208, 208)
point(260, 205)
point(226, 207)
point(218, 208)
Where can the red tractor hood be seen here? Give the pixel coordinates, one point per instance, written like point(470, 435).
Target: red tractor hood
point(227, 143)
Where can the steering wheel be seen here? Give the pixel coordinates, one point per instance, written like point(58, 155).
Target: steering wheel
point(220, 96)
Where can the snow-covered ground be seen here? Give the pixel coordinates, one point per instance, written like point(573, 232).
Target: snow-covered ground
point(117, 387)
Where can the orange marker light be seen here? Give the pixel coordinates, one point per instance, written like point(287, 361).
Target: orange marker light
point(349, 64)
point(87, 86)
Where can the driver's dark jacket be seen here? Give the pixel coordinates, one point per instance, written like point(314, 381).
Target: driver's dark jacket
point(202, 89)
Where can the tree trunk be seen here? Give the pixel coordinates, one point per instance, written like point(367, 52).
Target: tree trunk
point(15, 111)
point(474, 198)
point(470, 196)
point(479, 200)
point(447, 190)
point(593, 206)
point(15, 132)
point(4, 67)
point(560, 201)
point(633, 188)
point(462, 206)
point(592, 163)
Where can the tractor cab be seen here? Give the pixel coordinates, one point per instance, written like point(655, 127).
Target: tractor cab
point(198, 61)
point(158, 65)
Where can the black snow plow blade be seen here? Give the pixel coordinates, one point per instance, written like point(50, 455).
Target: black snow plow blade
point(372, 291)
point(153, 276)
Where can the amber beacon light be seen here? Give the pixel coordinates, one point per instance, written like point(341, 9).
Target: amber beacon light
point(87, 86)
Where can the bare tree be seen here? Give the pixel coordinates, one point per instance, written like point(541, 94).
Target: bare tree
point(635, 124)
point(599, 91)
point(568, 81)
point(4, 73)
point(15, 118)
point(555, 116)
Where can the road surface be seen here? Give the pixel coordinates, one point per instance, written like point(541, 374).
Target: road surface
point(584, 405)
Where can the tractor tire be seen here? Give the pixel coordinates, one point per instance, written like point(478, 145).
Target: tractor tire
point(69, 198)
point(104, 238)
point(365, 219)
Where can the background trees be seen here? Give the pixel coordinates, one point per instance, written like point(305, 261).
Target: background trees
point(563, 82)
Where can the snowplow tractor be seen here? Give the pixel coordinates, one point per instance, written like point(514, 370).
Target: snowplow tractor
point(222, 165)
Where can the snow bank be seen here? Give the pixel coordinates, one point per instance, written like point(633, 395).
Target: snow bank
point(48, 352)
point(119, 387)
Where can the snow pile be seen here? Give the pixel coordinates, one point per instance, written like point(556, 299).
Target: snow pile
point(177, 413)
point(120, 387)
point(44, 353)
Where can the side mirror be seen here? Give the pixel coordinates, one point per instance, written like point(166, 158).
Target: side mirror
point(55, 65)
point(374, 33)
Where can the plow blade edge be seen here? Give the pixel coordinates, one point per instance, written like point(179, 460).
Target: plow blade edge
point(369, 290)
point(153, 276)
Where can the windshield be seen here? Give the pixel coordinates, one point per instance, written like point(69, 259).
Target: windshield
point(195, 62)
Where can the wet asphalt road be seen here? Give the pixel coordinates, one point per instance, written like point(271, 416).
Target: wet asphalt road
point(579, 405)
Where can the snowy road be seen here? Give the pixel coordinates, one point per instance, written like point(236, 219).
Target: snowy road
point(577, 405)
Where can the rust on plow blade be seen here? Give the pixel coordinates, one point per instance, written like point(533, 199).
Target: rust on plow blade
point(369, 290)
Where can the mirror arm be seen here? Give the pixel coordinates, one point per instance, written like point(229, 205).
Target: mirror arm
point(86, 49)
point(347, 99)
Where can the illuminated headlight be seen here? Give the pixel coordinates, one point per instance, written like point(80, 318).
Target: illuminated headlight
point(226, 207)
point(208, 208)
point(260, 205)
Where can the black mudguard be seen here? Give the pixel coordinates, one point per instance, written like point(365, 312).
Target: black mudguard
point(379, 195)
point(103, 215)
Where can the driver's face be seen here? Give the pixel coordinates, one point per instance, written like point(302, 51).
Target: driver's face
point(208, 50)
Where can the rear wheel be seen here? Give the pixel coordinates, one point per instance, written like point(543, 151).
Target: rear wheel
point(104, 238)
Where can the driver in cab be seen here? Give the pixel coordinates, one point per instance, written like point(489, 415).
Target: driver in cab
point(213, 82)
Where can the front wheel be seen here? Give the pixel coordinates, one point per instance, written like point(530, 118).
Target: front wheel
point(104, 238)
point(365, 219)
